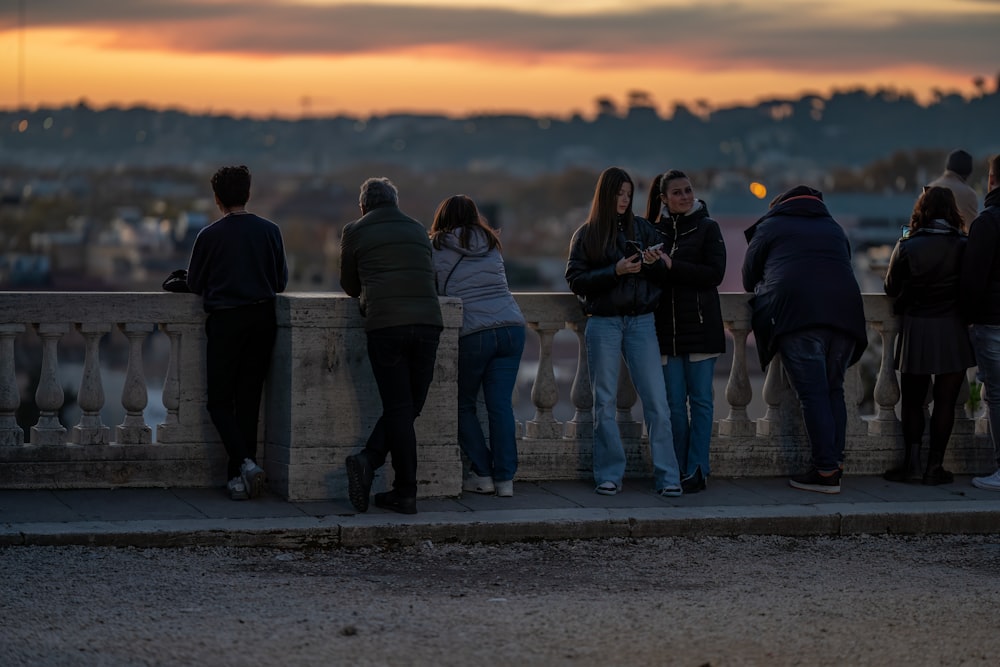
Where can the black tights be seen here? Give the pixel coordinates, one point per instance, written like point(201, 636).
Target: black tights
point(914, 390)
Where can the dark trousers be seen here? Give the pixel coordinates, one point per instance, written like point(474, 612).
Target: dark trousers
point(913, 388)
point(816, 361)
point(240, 343)
point(402, 360)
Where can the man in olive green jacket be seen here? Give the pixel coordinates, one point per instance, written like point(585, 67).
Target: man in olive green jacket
point(386, 261)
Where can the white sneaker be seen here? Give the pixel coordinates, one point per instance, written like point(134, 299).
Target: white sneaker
point(253, 478)
point(476, 484)
point(236, 488)
point(990, 482)
point(505, 488)
point(607, 488)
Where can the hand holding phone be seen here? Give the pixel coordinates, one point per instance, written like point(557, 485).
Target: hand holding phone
point(632, 248)
point(651, 254)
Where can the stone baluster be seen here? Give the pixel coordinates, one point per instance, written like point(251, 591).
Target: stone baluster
point(11, 435)
point(886, 394)
point(515, 398)
point(738, 390)
point(581, 393)
point(770, 423)
point(171, 384)
point(544, 392)
point(982, 420)
point(964, 424)
point(91, 430)
point(49, 396)
point(133, 429)
point(627, 398)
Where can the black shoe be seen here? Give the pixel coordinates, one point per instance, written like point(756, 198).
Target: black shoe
point(898, 474)
point(814, 481)
point(390, 501)
point(937, 475)
point(359, 480)
point(694, 482)
point(910, 471)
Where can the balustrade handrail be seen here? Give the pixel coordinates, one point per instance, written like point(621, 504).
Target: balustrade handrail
point(92, 315)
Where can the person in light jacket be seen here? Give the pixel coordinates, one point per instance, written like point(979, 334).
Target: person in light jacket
point(957, 170)
point(468, 265)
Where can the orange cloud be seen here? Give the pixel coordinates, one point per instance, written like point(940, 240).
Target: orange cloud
point(264, 58)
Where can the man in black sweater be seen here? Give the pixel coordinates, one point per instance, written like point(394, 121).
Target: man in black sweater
point(238, 265)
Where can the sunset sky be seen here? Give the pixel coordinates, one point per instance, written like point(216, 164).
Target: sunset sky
point(458, 57)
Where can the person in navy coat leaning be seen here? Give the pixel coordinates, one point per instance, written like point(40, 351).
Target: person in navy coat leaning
point(807, 306)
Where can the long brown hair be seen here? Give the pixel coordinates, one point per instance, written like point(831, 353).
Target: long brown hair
point(659, 187)
point(460, 213)
point(936, 203)
point(601, 228)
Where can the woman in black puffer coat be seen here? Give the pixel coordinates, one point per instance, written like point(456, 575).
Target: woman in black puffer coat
point(689, 317)
point(933, 341)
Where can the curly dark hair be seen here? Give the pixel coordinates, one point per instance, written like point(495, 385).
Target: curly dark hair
point(232, 185)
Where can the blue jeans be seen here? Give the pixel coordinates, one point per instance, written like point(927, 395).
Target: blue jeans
point(986, 343)
point(689, 387)
point(489, 359)
point(816, 361)
point(608, 339)
point(402, 360)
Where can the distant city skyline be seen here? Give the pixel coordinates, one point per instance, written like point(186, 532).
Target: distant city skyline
point(295, 58)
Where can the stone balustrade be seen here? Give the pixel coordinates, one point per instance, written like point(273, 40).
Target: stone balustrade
point(321, 402)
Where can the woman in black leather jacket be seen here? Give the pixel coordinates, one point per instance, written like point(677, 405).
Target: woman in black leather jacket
point(689, 317)
point(616, 274)
point(933, 339)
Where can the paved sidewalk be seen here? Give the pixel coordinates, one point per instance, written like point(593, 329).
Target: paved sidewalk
point(538, 510)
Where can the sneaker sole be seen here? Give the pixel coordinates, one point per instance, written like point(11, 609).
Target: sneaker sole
point(478, 489)
point(355, 485)
point(985, 487)
point(254, 484)
point(606, 492)
point(670, 494)
point(813, 487)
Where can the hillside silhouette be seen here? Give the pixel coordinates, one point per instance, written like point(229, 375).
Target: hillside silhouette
point(846, 129)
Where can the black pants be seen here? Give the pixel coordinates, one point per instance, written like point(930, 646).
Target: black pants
point(240, 343)
point(402, 360)
point(913, 388)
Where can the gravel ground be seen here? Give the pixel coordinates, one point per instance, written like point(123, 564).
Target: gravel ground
point(716, 601)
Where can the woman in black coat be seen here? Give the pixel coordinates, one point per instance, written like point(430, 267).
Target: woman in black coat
point(933, 339)
point(689, 317)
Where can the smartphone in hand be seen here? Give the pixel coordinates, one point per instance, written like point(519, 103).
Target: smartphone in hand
point(632, 248)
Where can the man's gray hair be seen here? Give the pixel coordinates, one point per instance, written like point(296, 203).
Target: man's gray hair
point(378, 192)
